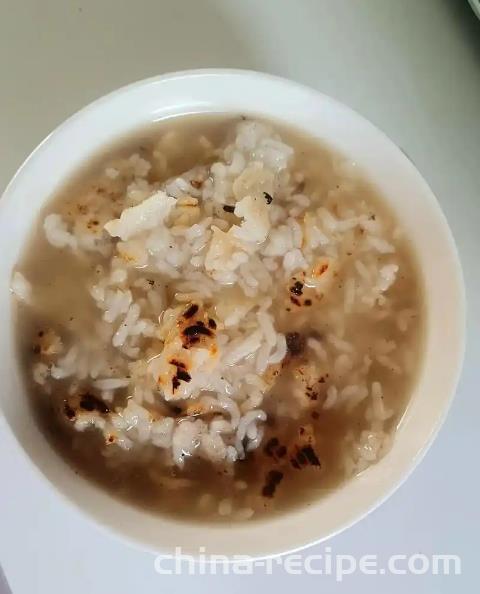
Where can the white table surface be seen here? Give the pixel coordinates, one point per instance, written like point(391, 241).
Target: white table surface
point(413, 68)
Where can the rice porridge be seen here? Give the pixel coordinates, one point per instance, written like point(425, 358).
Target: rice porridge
point(219, 318)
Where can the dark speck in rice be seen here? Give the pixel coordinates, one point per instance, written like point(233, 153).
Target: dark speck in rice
point(297, 288)
point(191, 311)
point(273, 479)
point(268, 197)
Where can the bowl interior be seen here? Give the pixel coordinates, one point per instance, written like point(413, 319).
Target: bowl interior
point(400, 184)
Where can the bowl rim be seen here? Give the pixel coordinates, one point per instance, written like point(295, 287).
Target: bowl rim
point(297, 543)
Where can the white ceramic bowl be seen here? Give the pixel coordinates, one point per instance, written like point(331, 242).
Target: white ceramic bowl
point(248, 93)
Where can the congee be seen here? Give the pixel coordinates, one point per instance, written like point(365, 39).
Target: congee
point(218, 318)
